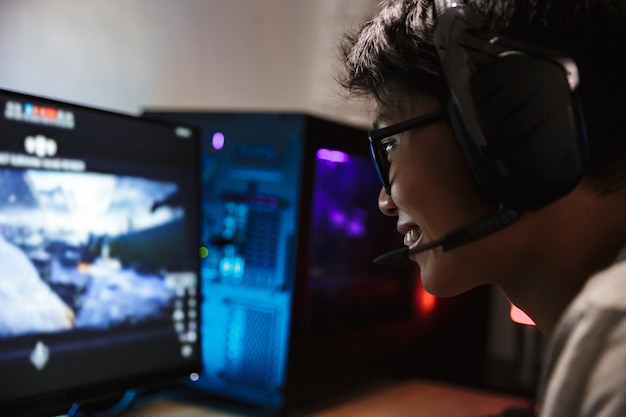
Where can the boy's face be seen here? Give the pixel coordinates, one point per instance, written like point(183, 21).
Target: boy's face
point(432, 193)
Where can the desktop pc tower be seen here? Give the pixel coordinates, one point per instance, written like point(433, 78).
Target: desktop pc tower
point(293, 310)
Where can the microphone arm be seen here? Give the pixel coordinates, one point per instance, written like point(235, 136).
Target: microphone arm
point(458, 237)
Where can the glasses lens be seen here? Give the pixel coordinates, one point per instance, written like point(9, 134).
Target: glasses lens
point(376, 136)
point(380, 163)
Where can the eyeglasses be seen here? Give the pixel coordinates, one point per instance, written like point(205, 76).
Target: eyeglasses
point(377, 149)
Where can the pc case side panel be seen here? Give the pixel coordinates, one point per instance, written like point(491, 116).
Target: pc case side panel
point(344, 306)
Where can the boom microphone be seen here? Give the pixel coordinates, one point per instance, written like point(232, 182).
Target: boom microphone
point(458, 237)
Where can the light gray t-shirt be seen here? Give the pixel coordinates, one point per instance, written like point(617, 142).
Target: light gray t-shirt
point(585, 369)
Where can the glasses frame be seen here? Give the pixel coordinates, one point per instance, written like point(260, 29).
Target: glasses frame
point(381, 163)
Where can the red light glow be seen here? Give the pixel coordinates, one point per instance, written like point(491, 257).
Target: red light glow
point(518, 316)
point(424, 301)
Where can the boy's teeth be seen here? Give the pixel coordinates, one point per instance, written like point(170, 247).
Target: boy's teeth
point(411, 237)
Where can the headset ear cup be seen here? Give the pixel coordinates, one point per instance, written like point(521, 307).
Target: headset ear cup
point(515, 113)
point(482, 169)
point(529, 119)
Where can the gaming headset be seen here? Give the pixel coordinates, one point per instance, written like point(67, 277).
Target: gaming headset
point(514, 109)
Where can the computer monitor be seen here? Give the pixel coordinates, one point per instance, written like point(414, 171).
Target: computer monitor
point(99, 275)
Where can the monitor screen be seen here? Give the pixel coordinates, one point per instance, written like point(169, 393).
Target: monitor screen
point(99, 288)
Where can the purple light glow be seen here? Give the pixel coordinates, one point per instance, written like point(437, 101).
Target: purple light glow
point(336, 217)
point(356, 228)
point(332, 156)
point(218, 141)
point(351, 226)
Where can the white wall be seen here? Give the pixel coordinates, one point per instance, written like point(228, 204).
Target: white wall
point(126, 55)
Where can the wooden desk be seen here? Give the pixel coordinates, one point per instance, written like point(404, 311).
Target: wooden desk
point(424, 399)
point(414, 398)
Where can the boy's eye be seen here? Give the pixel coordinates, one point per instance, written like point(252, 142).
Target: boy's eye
point(387, 145)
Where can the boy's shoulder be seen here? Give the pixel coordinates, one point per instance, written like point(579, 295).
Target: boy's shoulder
point(583, 372)
point(606, 290)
